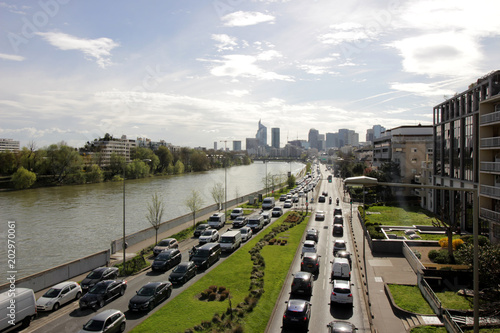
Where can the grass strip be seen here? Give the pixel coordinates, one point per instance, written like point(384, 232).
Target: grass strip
point(410, 298)
point(398, 216)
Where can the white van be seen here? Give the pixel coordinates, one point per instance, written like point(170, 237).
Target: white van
point(217, 220)
point(341, 269)
point(268, 203)
point(230, 240)
point(17, 306)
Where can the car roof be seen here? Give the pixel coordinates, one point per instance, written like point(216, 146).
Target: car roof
point(154, 284)
point(296, 305)
point(302, 275)
point(186, 263)
point(312, 255)
point(100, 269)
point(63, 284)
point(312, 231)
point(341, 326)
point(105, 314)
point(207, 246)
point(339, 241)
point(342, 283)
point(309, 242)
point(169, 251)
point(106, 282)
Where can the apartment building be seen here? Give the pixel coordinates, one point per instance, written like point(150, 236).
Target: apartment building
point(104, 149)
point(9, 145)
point(467, 154)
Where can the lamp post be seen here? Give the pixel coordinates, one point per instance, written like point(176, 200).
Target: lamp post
point(225, 179)
point(367, 181)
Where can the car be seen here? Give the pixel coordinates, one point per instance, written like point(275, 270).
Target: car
point(108, 321)
point(166, 260)
point(321, 198)
point(295, 198)
point(338, 229)
point(246, 233)
point(200, 228)
point(302, 283)
point(339, 245)
point(283, 197)
point(312, 234)
point(288, 204)
point(240, 221)
point(58, 295)
point(277, 212)
point(207, 255)
point(341, 292)
point(337, 211)
point(320, 215)
point(99, 274)
point(344, 254)
point(324, 193)
point(341, 326)
point(267, 217)
point(236, 212)
point(338, 219)
point(209, 236)
point(150, 295)
point(308, 246)
point(183, 272)
point(103, 292)
point(297, 313)
point(310, 262)
point(256, 223)
point(165, 244)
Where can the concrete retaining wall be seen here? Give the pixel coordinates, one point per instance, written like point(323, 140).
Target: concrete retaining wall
point(62, 272)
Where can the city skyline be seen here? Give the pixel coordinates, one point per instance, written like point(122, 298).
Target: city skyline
point(192, 73)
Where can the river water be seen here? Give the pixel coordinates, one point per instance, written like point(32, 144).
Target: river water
point(55, 225)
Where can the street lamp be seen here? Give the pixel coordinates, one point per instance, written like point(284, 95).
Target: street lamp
point(225, 179)
point(367, 181)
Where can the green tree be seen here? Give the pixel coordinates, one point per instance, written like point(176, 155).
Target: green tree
point(137, 169)
point(63, 160)
point(199, 161)
point(218, 194)
point(291, 181)
point(155, 213)
point(194, 202)
point(165, 158)
point(117, 164)
point(8, 162)
point(23, 178)
point(178, 167)
point(94, 174)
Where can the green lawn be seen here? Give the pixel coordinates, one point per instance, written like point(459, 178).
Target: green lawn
point(398, 216)
point(451, 300)
point(186, 311)
point(410, 299)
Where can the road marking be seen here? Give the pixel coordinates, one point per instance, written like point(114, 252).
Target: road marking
point(378, 279)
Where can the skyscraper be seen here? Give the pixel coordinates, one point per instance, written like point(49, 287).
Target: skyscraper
point(313, 138)
point(261, 135)
point(275, 137)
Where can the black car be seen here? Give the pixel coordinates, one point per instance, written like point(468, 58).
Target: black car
point(150, 295)
point(341, 326)
point(310, 262)
point(99, 274)
point(321, 198)
point(166, 260)
point(312, 234)
point(240, 221)
point(183, 272)
point(297, 313)
point(344, 254)
point(337, 211)
point(302, 283)
point(200, 228)
point(103, 292)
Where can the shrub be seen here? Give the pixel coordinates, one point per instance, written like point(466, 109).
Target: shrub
point(221, 289)
point(417, 254)
point(212, 296)
point(213, 288)
point(433, 254)
point(443, 242)
point(457, 243)
point(442, 257)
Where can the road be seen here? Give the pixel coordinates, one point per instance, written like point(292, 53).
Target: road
point(321, 311)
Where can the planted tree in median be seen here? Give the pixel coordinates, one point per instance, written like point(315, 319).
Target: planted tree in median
point(155, 213)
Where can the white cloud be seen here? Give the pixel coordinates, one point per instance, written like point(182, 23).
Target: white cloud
point(422, 89)
point(345, 32)
point(11, 57)
point(238, 65)
point(238, 93)
point(242, 19)
point(99, 49)
point(226, 42)
point(449, 53)
point(268, 55)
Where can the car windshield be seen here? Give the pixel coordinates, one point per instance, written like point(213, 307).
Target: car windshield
point(146, 291)
point(52, 293)
point(340, 245)
point(94, 325)
point(244, 231)
point(163, 243)
point(95, 275)
point(201, 227)
point(309, 245)
point(163, 256)
point(98, 289)
point(207, 233)
point(226, 240)
point(180, 269)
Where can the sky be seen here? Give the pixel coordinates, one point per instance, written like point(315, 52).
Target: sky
point(196, 72)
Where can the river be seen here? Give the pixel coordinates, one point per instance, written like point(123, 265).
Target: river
point(55, 225)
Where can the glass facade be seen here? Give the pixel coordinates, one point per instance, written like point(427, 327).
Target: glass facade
point(468, 155)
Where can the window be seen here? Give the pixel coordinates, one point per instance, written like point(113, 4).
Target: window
point(414, 150)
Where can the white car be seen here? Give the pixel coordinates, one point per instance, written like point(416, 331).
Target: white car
point(309, 246)
point(246, 233)
point(165, 244)
point(320, 215)
point(209, 236)
point(341, 292)
point(288, 204)
point(58, 295)
point(236, 212)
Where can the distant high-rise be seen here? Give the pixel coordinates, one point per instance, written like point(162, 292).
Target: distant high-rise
point(332, 140)
point(215, 145)
point(236, 145)
point(275, 137)
point(343, 137)
point(261, 135)
point(313, 138)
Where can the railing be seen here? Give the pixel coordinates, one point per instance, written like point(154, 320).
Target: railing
point(490, 142)
point(412, 259)
point(489, 214)
point(491, 191)
point(490, 166)
point(490, 118)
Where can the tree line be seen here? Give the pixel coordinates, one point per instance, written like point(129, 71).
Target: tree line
point(60, 164)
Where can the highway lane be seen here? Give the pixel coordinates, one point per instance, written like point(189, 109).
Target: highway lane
point(321, 311)
point(69, 318)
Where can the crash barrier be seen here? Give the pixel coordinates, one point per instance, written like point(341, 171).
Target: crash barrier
point(52, 276)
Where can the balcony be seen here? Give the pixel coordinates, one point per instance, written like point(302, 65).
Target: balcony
point(490, 166)
point(489, 214)
point(490, 118)
point(490, 142)
point(490, 191)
